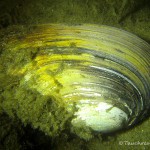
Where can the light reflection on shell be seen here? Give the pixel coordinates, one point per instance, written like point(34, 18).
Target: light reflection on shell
point(104, 71)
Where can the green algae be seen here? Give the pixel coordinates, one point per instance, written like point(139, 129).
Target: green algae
point(28, 105)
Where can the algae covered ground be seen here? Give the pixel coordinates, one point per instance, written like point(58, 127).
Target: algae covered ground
point(25, 121)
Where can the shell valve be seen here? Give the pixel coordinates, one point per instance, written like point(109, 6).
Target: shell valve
point(102, 71)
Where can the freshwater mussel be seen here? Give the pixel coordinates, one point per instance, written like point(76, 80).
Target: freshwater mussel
point(100, 73)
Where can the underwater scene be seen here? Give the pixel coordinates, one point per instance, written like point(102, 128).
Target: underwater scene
point(74, 74)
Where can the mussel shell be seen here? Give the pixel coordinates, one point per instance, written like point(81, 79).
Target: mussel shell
point(103, 71)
